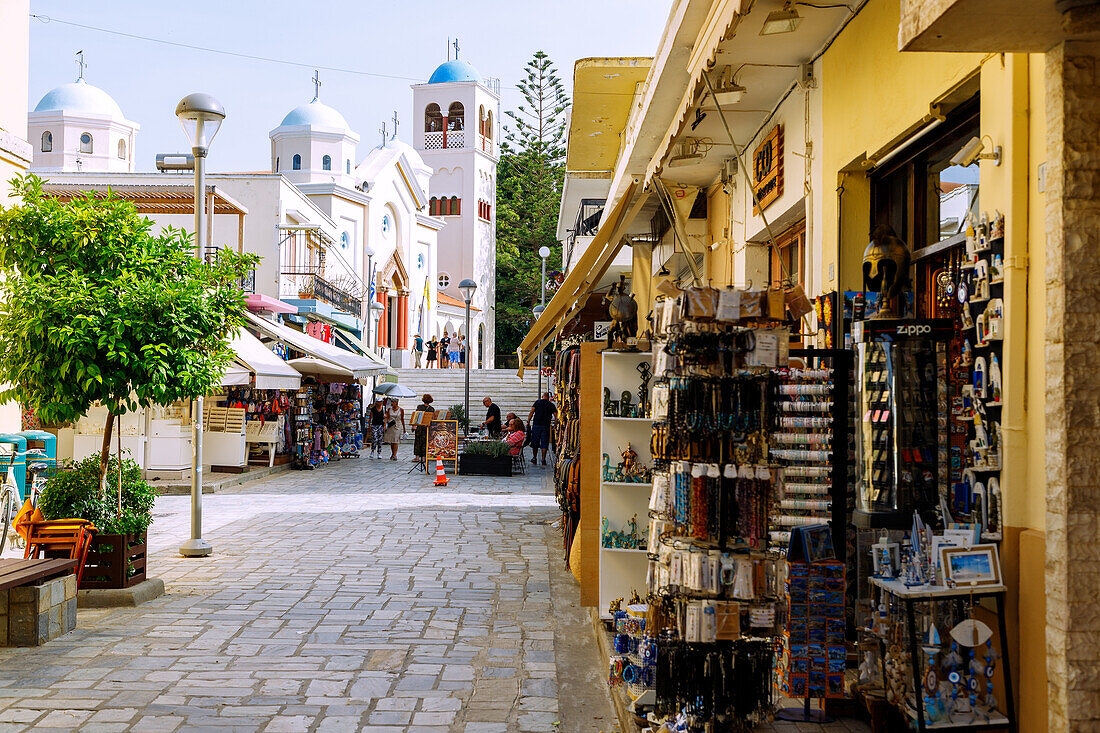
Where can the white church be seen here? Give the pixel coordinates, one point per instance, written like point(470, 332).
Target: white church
point(371, 248)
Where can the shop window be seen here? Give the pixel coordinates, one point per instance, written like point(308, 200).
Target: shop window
point(85, 142)
point(785, 265)
point(433, 118)
point(47, 142)
point(326, 163)
point(296, 163)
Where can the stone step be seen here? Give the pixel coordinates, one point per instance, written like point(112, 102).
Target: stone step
point(447, 387)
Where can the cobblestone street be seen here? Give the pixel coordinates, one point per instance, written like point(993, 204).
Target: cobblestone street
point(354, 597)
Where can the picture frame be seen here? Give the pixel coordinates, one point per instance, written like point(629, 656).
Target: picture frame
point(976, 565)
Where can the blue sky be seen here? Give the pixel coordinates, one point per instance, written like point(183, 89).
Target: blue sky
point(403, 39)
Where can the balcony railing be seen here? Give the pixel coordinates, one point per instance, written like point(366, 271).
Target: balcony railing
point(444, 139)
point(307, 284)
point(247, 283)
point(588, 221)
point(486, 144)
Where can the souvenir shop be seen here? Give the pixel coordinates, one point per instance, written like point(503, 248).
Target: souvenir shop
point(767, 530)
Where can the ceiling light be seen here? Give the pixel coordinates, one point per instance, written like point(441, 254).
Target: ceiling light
point(730, 95)
point(781, 21)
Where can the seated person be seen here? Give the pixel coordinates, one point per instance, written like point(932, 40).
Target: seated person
point(515, 437)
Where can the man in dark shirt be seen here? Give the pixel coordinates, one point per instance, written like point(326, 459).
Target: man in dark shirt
point(542, 412)
point(492, 418)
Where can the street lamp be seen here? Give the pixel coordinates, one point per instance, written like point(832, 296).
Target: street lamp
point(369, 251)
point(201, 117)
point(468, 287)
point(544, 252)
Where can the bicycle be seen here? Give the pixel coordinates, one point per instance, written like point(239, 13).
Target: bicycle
point(9, 491)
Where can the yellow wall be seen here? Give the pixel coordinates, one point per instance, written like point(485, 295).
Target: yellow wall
point(871, 95)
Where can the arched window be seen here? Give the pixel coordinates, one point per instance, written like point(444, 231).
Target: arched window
point(481, 119)
point(122, 149)
point(326, 163)
point(47, 142)
point(347, 166)
point(455, 206)
point(433, 206)
point(296, 164)
point(456, 116)
point(85, 142)
point(489, 125)
point(433, 118)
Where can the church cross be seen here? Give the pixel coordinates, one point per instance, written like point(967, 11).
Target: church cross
point(80, 65)
point(456, 49)
point(316, 85)
point(383, 131)
point(395, 123)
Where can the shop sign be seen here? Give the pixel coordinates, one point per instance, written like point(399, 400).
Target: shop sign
point(767, 169)
point(600, 329)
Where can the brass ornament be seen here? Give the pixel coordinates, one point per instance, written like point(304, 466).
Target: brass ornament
point(886, 269)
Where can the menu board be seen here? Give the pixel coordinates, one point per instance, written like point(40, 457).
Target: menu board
point(442, 445)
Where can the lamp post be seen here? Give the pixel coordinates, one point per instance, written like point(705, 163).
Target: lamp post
point(201, 116)
point(544, 252)
point(369, 251)
point(467, 287)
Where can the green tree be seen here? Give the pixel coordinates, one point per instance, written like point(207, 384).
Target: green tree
point(97, 308)
point(529, 183)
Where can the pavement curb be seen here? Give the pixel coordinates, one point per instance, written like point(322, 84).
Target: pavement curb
point(131, 597)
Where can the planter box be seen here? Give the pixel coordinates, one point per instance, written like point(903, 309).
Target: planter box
point(484, 465)
point(115, 561)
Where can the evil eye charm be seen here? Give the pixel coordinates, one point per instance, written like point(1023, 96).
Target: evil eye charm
point(954, 677)
point(989, 671)
point(964, 293)
point(972, 684)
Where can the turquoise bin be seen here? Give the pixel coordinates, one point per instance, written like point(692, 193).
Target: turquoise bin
point(44, 441)
point(19, 445)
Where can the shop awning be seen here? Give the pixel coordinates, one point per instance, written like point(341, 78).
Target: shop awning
point(355, 345)
point(256, 360)
point(321, 368)
point(359, 366)
point(590, 267)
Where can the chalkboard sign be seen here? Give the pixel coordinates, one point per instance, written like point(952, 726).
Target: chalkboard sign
point(442, 445)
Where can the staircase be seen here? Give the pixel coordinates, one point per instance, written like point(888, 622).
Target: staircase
point(447, 387)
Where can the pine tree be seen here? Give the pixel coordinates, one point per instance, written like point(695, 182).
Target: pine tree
point(530, 177)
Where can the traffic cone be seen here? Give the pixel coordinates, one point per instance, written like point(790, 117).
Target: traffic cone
point(440, 474)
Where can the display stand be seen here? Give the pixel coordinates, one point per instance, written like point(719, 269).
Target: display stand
point(912, 595)
point(622, 570)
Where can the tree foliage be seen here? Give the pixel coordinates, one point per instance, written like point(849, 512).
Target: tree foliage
point(97, 308)
point(530, 177)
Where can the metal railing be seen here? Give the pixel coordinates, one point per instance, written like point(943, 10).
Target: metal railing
point(246, 283)
point(307, 284)
point(586, 225)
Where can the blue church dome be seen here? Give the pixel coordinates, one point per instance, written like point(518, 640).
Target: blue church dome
point(454, 71)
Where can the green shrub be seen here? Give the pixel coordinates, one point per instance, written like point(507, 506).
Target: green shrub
point(458, 412)
point(74, 493)
point(488, 448)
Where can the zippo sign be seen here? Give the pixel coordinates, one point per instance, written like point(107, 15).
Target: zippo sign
point(599, 333)
point(903, 328)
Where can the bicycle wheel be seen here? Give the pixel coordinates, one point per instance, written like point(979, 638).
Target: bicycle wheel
point(7, 514)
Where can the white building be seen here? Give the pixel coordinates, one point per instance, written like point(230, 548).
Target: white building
point(456, 131)
point(79, 127)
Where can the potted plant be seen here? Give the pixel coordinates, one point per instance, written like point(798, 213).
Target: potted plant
point(485, 458)
point(122, 513)
point(458, 412)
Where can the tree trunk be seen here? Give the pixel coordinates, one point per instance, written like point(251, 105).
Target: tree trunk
point(105, 450)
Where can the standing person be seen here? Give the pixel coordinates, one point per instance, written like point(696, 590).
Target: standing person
point(492, 418)
point(540, 417)
point(418, 350)
point(432, 352)
point(444, 360)
point(377, 426)
point(462, 348)
point(393, 434)
point(420, 441)
point(452, 355)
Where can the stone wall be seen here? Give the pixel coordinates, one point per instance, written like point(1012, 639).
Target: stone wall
point(1073, 386)
point(33, 614)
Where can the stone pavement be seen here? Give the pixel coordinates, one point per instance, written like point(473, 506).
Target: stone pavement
point(353, 597)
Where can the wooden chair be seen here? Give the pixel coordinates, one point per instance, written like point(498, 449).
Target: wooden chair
point(69, 538)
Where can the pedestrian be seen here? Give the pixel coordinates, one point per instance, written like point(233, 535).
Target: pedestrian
point(393, 434)
point(432, 352)
point(444, 343)
point(541, 416)
point(420, 440)
point(377, 426)
point(462, 348)
point(452, 354)
point(418, 350)
point(492, 418)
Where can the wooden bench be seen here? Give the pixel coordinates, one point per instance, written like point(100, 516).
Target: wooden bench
point(59, 538)
point(37, 600)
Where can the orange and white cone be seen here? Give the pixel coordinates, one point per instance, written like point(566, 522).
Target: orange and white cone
point(440, 474)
